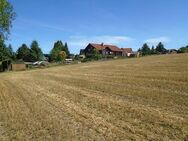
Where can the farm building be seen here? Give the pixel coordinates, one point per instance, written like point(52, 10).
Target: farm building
point(107, 50)
point(103, 49)
point(172, 51)
point(127, 51)
point(18, 66)
point(5, 65)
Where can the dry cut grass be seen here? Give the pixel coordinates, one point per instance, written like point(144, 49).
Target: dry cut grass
point(131, 99)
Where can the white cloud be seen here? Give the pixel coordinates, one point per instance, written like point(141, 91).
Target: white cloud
point(41, 25)
point(82, 41)
point(157, 40)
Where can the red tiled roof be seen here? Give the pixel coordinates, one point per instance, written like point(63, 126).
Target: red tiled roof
point(113, 48)
point(98, 46)
point(127, 50)
point(102, 46)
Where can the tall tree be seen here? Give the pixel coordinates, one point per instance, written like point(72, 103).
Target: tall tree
point(66, 49)
point(3, 51)
point(7, 15)
point(160, 48)
point(11, 53)
point(36, 51)
point(183, 49)
point(145, 50)
point(6, 52)
point(24, 53)
point(55, 52)
point(153, 50)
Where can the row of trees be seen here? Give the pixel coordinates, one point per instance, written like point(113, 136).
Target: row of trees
point(33, 53)
point(159, 49)
point(183, 49)
point(146, 50)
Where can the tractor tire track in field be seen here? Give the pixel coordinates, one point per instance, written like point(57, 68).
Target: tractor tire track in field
point(115, 100)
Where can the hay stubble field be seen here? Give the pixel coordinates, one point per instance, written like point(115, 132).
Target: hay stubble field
point(128, 99)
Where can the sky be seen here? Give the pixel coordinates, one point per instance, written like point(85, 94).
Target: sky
point(125, 23)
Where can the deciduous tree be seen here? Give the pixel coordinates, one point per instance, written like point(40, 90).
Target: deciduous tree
point(54, 54)
point(7, 15)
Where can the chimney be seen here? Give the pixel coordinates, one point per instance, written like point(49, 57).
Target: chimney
point(102, 44)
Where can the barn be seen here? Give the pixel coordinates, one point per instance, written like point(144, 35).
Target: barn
point(5, 65)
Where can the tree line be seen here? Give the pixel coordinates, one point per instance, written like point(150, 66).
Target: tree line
point(146, 50)
point(159, 49)
point(33, 52)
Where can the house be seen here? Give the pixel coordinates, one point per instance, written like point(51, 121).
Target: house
point(103, 49)
point(172, 51)
point(81, 51)
point(127, 52)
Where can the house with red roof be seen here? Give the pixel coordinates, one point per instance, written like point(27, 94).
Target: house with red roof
point(127, 51)
point(107, 50)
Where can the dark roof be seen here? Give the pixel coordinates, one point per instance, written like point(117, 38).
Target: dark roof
point(127, 50)
point(102, 46)
point(113, 48)
point(98, 46)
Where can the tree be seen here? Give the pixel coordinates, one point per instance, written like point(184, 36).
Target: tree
point(11, 53)
point(6, 52)
point(3, 51)
point(7, 15)
point(61, 56)
point(153, 50)
point(145, 50)
point(66, 49)
point(183, 49)
point(54, 54)
point(36, 51)
point(160, 48)
point(24, 53)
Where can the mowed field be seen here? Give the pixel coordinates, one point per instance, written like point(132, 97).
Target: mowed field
point(129, 99)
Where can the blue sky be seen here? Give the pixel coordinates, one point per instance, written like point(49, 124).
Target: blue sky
point(125, 23)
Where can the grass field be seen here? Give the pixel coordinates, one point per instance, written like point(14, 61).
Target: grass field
point(131, 99)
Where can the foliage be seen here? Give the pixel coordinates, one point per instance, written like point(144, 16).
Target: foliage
point(6, 52)
point(61, 56)
point(76, 57)
point(55, 52)
point(153, 51)
point(59, 52)
point(66, 49)
point(36, 51)
point(160, 49)
point(3, 50)
point(7, 15)
point(145, 50)
point(24, 53)
point(183, 49)
point(95, 55)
